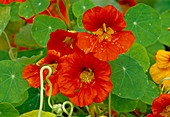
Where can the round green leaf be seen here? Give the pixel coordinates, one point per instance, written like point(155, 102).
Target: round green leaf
point(162, 5)
point(81, 6)
point(34, 113)
point(24, 37)
point(139, 53)
point(128, 78)
point(151, 93)
point(142, 107)
point(145, 24)
point(14, 12)
point(7, 110)
point(5, 16)
point(152, 49)
point(12, 85)
point(42, 27)
point(165, 34)
point(26, 10)
point(122, 104)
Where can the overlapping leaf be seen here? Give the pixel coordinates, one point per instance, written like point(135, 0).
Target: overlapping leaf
point(145, 24)
point(128, 78)
point(34, 113)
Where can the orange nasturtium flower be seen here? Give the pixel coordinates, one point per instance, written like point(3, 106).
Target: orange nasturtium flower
point(84, 79)
point(161, 106)
point(108, 40)
point(62, 41)
point(5, 2)
point(161, 69)
point(32, 72)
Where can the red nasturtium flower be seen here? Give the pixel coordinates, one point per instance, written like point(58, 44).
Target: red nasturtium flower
point(108, 39)
point(161, 106)
point(161, 69)
point(5, 2)
point(62, 41)
point(32, 72)
point(84, 79)
point(126, 4)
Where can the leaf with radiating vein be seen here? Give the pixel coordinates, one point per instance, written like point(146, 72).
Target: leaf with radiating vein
point(139, 53)
point(145, 24)
point(12, 85)
point(7, 110)
point(42, 27)
point(5, 16)
point(34, 113)
point(165, 34)
point(151, 93)
point(26, 10)
point(128, 78)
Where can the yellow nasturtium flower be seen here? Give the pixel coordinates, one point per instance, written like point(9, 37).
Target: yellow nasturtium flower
point(161, 69)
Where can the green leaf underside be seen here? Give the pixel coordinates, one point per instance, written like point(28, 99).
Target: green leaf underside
point(151, 93)
point(139, 53)
point(12, 85)
point(34, 113)
point(128, 78)
point(33, 101)
point(26, 11)
point(5, 16)
point(122, 104)
point(7, 110)
point(145, 24)
point(165, 34)
point(42, 27)
point(24, 37)
point(152, 49)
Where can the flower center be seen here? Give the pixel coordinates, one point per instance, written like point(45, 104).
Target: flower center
point(87, 75)
point(53, 67)
point(104, 33)
point(166, 111)
point(68, 41)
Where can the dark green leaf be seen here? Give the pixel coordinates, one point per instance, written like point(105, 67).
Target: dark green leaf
point(139, 53)
point(12, 85)
point(128, 78)
point(7, 110)
point(14, 12)
point(151, 93)
point(4, 55)
point(42, 27)
point(26, 11)
point(145, 24)
point(165, 34)
point(162, 5)
point(122, 104)
point(142, 106)
point(5, 16)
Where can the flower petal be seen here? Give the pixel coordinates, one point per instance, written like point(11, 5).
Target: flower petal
point(162, 59)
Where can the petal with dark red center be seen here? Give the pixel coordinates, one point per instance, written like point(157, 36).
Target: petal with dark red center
point(93, 19)
point(103, 89)
point(55, 90)
point(57, 41)
point(85, 96)
point(32, 74)
point(163, 59)
point(160, 103)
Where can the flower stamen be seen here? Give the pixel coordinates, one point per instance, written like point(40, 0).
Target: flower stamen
point(87, 75)
point(166, 112)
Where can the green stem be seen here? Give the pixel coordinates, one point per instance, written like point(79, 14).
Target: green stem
point(49, 98)
point(67, 9)
point(110, 105)
point(71, 110)
point(58, 8)
point(49, 13)
point(32, 7)
point(168, 78)
point(41, 93)
point(97, 109)
point(11, 54)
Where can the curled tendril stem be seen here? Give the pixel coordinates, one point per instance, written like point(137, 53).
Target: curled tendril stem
point(71, 110)
point(161, 89)
point(41, 79)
